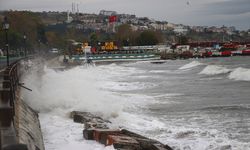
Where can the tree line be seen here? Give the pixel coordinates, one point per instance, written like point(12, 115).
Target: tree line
point(22, 23)
point(40, 35)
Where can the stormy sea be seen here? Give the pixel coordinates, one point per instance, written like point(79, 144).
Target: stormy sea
point(194, 104)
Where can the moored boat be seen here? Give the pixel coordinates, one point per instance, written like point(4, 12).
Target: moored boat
point(109, 52)
point(116, 56)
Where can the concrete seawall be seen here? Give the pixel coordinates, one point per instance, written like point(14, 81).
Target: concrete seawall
point(19, 124)
point(28, 126)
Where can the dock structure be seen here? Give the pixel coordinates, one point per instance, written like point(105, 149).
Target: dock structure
point(98, 129)
point(19, 124)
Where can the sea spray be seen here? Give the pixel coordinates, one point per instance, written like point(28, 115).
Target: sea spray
point(241, 74)
point(190, 65)
point(56, 93)
point(61, 133)
point(214, 70)
point(74, 89)
point(192, 128)
point(92, 89)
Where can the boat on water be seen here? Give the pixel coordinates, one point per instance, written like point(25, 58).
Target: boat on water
point(115, 55)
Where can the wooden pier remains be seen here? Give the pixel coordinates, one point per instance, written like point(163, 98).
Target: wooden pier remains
point(98, 129)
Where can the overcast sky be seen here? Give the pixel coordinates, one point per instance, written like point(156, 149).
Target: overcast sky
point(188, 12)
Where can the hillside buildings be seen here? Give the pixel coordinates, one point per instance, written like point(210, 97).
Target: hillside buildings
point(102, 22)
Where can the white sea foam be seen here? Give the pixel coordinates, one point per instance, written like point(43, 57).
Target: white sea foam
point(214, 70)
point(114, 71)
point(168, 95)
point(158, 71)
point(61, 133)
point(166, 98)
point(138, 123)
point(142, 76)
point(190, 65)
point(75, 89)
point(241, 74)
point(126, 86)
point(184, 137)
point(211, 78)
point(55, 94)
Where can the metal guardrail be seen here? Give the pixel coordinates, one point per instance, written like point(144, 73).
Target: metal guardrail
point(11, 60)
point(10, 81)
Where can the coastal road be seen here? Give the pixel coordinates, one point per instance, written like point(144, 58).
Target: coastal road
point(3, 61)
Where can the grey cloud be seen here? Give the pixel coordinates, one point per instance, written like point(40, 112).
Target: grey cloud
point(198, 12)
point(231, 7)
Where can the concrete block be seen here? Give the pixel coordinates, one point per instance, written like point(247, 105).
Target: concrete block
point(102, 132)
point(121, 139)
point(6, 84)
point(159, 147)
point(16, 147)
point(6, 116)
point(88, 134)
point(5, 95)
point(95, 125)
point(7, 136)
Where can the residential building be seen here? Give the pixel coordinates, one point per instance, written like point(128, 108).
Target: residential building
point(107, 13)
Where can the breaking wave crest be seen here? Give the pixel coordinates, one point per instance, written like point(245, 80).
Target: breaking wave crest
point(240, 74)
point(209, 139)
point(108, 90)
point(214, 70)
point(55, 93)
point(75, 89)
point(190, 65)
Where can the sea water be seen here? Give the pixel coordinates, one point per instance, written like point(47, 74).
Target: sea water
point(196, 104)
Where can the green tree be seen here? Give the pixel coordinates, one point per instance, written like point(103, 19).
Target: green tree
point(93, 39)
point(24, 22)
point(148, 38)
point(183, 40)
point(124, 35)
point(41, 33)
point(54, 40)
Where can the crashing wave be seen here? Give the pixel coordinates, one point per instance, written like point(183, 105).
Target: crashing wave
point(241, 74)
point(214, 70)
point(190, 65)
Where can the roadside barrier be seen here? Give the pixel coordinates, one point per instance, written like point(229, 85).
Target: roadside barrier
point(8, 134)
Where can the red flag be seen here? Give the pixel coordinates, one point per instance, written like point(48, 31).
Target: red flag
point(93, 49)
point(112, 19)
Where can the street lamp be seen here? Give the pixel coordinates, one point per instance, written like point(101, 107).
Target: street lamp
point(39, 46)
point(6, 27)
point(24, 39)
